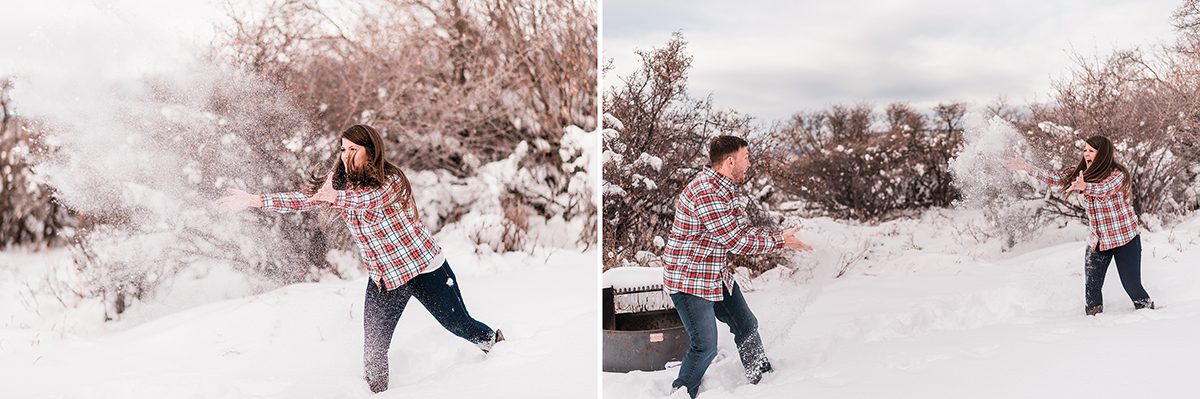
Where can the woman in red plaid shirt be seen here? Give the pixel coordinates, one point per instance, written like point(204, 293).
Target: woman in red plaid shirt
point(1105, 187)
point(375, 199)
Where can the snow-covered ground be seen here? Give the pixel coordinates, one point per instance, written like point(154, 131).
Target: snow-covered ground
point(931, 308)
point(217, 334)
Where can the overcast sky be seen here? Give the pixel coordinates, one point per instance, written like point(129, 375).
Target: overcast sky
point(772, 58)
point(110, 38)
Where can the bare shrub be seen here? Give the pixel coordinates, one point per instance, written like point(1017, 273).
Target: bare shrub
point(1147, 105)
point(453, 84)
point(833, 159)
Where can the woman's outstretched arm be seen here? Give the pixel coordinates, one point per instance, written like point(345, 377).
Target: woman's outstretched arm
point(285, 202)
point(1048, 177)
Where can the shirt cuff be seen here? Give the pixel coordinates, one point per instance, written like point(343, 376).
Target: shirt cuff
point(340, 199)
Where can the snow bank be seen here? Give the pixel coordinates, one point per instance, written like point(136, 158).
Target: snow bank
point(305, 340)
point(632, 277)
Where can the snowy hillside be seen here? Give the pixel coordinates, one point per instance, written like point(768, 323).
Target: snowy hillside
point(932, 308)
point(301, 340)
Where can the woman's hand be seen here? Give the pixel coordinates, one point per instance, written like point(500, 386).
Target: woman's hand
point(236, 200)
point(1077, 185)
point(1017, 163)
point(326, 193)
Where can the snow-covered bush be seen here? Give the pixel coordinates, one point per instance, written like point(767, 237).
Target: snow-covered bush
point(452, 87)
point(449, 84)
point(836, 161)
point(538, 195)
point(28, 212)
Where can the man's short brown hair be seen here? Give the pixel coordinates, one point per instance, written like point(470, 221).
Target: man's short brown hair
point(724, 146)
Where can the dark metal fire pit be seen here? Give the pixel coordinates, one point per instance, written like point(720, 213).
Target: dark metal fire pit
point(641, 339)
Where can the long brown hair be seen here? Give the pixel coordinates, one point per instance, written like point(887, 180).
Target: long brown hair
point(377, 172)
point(1102, 166)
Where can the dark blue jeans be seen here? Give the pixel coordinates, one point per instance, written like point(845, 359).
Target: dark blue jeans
point(699, 318)
point(1129, 267)
point(438, 291)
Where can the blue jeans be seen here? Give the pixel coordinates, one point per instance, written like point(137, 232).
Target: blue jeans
point(1129, 268)
point(382, 309)
point(699, 318)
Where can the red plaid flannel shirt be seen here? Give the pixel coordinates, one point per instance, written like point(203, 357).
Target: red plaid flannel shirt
point(707, 227)
point(1110, 215)
point(395, 246)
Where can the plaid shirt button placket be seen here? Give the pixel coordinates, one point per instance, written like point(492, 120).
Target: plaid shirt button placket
point(1112, 221)
point(394, 247)
point(708, 225)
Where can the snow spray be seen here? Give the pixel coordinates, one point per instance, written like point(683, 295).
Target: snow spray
point(143, 135)
point(985, 182)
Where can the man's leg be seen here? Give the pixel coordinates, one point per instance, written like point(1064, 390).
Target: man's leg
point(381, 312)
point(701, 326)
point(734, 311)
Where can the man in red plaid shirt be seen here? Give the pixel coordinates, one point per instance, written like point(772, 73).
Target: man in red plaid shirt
point(1106, 192)
point(708, 227)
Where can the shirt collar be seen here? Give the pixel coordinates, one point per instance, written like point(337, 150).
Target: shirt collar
point(722, 180)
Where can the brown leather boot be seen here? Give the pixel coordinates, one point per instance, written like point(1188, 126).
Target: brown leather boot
point(1094, 310)
point(487, 346)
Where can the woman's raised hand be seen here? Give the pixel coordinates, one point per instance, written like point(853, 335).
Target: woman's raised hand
point(1017, 163)
point(1077, 185)
point(326, 193)
point(236, 200)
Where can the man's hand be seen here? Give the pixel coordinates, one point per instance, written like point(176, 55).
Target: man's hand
point(326, 193)
point(790, 240)
point(236, 200)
